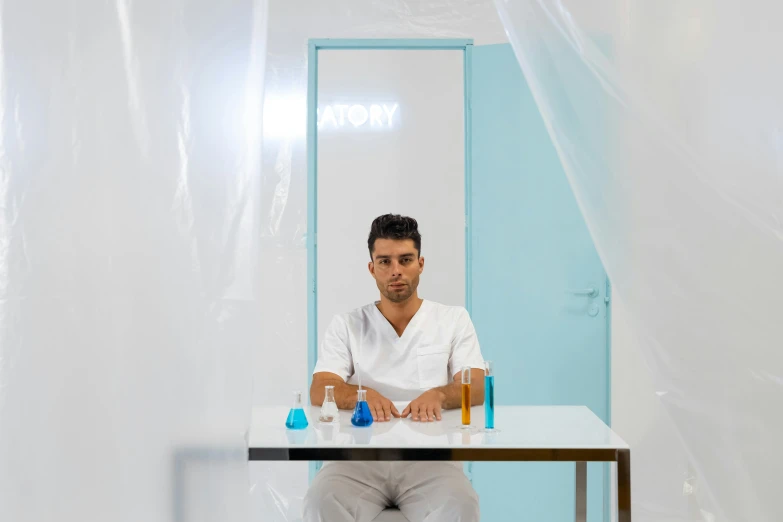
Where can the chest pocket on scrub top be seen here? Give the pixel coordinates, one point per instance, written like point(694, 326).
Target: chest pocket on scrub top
point(433, 362)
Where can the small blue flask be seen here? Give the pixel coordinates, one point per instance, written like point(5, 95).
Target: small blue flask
point(361, 413)
point(296, 416)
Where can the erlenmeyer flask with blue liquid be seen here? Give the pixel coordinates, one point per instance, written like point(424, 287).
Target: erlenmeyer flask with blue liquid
point(296, 416)
point(361, 413)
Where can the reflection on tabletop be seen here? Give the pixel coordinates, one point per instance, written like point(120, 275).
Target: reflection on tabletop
point(520, 427)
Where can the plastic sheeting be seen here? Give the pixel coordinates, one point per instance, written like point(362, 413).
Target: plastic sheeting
point(685, 204)
point(682, 197)
point(138, 233)
point(129, 181)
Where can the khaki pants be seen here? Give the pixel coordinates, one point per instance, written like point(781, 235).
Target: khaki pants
point(422, 491)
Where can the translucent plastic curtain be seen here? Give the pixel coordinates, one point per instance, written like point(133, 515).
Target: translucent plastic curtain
point(129, 182)
point(683, 195)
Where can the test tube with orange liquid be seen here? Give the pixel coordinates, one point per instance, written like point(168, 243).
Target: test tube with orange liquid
point(466, 397)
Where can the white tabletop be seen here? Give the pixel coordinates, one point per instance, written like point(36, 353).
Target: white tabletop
point(520, 427)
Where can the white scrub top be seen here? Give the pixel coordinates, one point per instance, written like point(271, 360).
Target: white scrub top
point(437, 343)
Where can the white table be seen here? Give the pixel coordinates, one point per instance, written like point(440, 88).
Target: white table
point(527, 433)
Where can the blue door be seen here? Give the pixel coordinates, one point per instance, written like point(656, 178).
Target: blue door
point(539, 289)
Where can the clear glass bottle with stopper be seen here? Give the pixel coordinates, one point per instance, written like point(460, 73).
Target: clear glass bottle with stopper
point(329, 412)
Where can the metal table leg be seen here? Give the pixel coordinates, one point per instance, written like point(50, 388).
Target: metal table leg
point(581, 492)
point(624, 485)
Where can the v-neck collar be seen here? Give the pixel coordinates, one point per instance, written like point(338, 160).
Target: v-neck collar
point(412, 323)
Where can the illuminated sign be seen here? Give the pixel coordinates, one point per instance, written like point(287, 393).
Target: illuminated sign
point(358, 115)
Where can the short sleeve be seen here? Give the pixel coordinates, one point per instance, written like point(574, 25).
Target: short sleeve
point(465, 347)
point(334, 355)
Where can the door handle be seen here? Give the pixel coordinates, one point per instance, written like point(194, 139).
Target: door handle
point(588, 292)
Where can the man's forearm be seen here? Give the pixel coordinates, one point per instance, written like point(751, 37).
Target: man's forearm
point(452, 394)
point(344, 394)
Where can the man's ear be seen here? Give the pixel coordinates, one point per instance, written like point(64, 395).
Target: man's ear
point(421, 264)
point(371, 268)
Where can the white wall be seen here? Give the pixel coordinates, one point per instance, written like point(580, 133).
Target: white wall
point(412, 164)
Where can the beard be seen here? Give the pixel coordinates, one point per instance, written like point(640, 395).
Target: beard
point(401, 295)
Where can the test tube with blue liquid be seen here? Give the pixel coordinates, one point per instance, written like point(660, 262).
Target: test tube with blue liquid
point(296, 416)
point(361, 414)
point(489, 398)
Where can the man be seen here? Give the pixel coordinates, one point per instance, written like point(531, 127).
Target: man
point(405, 349)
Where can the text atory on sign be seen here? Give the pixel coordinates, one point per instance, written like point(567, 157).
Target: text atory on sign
point(358, 115)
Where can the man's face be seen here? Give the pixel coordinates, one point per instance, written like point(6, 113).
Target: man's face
point(396, 267)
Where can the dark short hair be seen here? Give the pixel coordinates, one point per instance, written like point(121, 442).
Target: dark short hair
point(394, 226)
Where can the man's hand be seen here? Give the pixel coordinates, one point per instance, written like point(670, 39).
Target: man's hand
point(427, 407)
point(381, 408)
